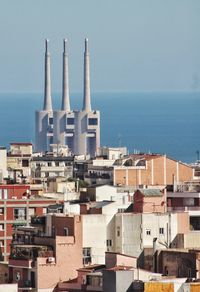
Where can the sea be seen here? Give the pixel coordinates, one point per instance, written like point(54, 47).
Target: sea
point(148, 122)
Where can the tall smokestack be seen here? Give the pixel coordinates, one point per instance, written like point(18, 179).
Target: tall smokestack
point(65, 92)
point(86, 101)
point(47, 85)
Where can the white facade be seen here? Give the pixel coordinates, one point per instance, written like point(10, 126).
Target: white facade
point(78, 129)
point(134, 232)
point(99, 231)
point(3, 163)
point(112, 153)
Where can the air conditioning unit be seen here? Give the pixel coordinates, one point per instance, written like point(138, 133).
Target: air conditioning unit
point(14, 197)
point(51, 260)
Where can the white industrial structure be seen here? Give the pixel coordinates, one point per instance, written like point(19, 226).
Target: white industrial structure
point(78, 129)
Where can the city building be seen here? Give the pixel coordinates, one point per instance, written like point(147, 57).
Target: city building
point(17, 205)
point(180, 263)
point(149, 201)
point(3, 164)
point(46, 166)
point(18, 162)
point(46, 253)
point(141, 234)
point(150, 169)
point(78, 129)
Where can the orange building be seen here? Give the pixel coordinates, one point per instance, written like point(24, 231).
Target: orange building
point(150, 169)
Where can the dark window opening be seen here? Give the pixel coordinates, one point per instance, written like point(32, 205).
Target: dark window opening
point(70, 121)
point(93, 121)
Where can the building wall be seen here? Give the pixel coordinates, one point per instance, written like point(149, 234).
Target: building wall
point(117, 281)
point(15, 197)
point(8, 287)
point(136, 232)
point(148, 204)
point(128, 234)
point(3, 163)
point(42, 127)
point(95, 236)
point(68, 255)
point(21, 148)
point(178, 264)
point(115, 259)
point(158, 171)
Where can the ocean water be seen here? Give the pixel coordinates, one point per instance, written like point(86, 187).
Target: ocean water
point(162, 122)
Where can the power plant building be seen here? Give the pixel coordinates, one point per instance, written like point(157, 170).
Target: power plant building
point(78, 129)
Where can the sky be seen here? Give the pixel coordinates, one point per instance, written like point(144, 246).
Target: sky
point(135, 45)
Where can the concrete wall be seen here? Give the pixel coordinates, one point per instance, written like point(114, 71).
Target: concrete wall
point(41, 130)
point(3, 163)
point(68, 255)
point(8, 288)
point(117, 281)
point(114, 259)
point(95, 235)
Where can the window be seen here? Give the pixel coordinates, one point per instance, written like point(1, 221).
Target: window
point(109, 242)
point(20, 214)
point(51, 121)
point(70, 121)
point(161, 230)
point(25, 163)
point(1, 243)
point(92, 121)
point(1, 227)
point(121, 210)
point(57, 163)
point(1, 211)
point(66, 231)
point(5, 192)
point(118, 231)
point(0, 194)
point(44, 210)
point(86, 255)
point(148, 231)
point(49, 163)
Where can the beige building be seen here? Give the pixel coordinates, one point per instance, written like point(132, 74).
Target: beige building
point(18, 161)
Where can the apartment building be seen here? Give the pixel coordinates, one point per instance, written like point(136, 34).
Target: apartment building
point(141, 234)
point(16, 208)
point(44, 255)
point(18, 161)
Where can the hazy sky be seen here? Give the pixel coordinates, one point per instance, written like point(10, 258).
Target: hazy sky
point(134, 44)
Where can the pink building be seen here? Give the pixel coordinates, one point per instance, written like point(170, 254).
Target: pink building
point(43, 256)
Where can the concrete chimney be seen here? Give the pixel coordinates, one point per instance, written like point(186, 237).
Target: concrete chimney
point(86, 101)
point(47, 85)
point(65, 89)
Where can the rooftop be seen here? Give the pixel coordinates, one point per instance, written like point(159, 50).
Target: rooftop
point(151, 192)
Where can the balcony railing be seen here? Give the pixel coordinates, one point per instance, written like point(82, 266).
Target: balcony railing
point(184, 208)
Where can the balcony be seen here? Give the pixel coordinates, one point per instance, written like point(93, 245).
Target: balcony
point(28, 253)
